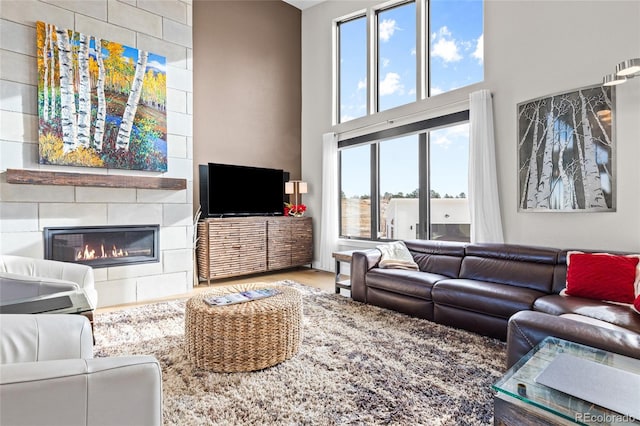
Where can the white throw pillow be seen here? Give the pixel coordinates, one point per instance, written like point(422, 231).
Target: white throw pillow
point(396, 255)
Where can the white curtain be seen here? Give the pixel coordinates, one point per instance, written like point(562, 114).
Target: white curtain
point(329, 217)
point(484, 202)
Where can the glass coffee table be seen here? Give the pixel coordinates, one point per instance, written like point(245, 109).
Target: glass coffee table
point(66, 302)
point(587, 376)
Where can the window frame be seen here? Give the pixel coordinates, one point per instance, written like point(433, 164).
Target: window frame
point(423, 71)
point(337, 105)
point(422, 128)
point(373, 57)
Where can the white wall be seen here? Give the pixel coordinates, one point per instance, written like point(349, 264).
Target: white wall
point(532, 49)
point(162, 27)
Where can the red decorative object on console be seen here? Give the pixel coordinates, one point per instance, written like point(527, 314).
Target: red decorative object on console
point(296, 210)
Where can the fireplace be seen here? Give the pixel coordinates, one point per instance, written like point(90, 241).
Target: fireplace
point(102, 246)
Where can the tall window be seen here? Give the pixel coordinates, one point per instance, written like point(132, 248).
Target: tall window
point(352, 35)
point(421, 179)
point(355, 192)
point(449, 41)
point(449, 215)
point(396, 59)
point(399, 183)
point(456, 44)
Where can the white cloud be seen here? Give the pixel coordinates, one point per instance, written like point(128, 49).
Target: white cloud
point(385, 62)
point(386, 29)
point(391, 84)
point(445, 47)
point(413, 52)
point(441, 140)
point(446, 136)
point(444, 32)
point(362, 84)
point(479, 52)
point(157, 65)
point(412, 91)
point(447, 50)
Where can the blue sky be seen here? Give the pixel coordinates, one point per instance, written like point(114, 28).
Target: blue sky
point(157, 62)
point(456, 49)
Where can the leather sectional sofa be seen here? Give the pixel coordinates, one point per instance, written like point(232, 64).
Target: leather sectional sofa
point(505, 291)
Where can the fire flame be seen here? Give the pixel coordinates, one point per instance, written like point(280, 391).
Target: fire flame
point(89, 253)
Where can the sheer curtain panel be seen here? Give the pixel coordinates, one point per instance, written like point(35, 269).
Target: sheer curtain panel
point(329, 217)
point(484, 202)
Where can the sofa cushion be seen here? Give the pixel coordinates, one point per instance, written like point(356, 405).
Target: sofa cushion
point(484, 297)
point(602, 276)
point(438, 257)
point(408, 283)
point(613, 313)
point(515, 265)
point(593, 321)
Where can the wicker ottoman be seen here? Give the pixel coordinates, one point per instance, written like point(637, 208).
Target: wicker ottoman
point(245, 336)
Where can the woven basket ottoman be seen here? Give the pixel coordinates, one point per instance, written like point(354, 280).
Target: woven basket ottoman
point(245, 336)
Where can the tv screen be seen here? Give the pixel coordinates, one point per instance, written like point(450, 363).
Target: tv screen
point(231, 190)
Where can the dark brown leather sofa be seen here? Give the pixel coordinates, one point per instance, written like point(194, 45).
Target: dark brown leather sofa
point(505, 291)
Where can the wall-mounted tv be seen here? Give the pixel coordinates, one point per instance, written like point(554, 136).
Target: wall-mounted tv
point(232, 190)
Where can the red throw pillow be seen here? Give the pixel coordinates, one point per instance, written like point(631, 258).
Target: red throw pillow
point(602, 276)
point(636, 305)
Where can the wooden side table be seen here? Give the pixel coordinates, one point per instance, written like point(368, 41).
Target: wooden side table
point(342, 256)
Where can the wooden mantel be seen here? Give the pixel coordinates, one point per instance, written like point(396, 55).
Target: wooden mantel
point(42, 177)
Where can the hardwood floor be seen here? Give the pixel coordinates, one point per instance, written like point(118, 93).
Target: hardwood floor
point(307, 276)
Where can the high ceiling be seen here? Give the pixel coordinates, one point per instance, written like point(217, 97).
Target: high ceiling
point(303, 4)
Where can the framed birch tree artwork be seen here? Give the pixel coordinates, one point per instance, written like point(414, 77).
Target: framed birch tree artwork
point(100, 103)
point(566, 152)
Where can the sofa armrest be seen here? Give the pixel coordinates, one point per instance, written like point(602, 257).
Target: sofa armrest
point(361, 263)
point(16, 286)
point(528, 328)
point(44, 337)
point(99, 391)
point(63, 271)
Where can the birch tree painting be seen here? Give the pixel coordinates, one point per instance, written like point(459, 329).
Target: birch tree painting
point(565, 152)
point(100, 103)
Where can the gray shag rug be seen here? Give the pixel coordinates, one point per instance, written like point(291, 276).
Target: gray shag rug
point(358, 364)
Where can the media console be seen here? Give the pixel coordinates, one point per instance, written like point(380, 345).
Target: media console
point(229, 247)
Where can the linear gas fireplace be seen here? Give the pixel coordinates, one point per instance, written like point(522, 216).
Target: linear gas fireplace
point(102, 246)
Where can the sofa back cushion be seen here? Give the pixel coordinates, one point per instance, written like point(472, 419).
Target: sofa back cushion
point(438, 257)
point(522, 266)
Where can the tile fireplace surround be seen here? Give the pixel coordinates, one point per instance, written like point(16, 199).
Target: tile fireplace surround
point(26, 210)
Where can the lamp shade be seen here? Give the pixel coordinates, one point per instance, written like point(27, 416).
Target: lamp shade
point(302, 187)
point(612, 80)
point(628, 67)
point(289, 188)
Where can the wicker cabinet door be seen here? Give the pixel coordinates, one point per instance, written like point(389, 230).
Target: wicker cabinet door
point(289, 242)
point(302, 241)
point(237, 247)
point(279, 243)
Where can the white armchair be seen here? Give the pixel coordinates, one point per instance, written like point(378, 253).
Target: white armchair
point(48, 376)
point(23, 277)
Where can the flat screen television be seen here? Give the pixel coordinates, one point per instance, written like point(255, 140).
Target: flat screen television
point(232, 190)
